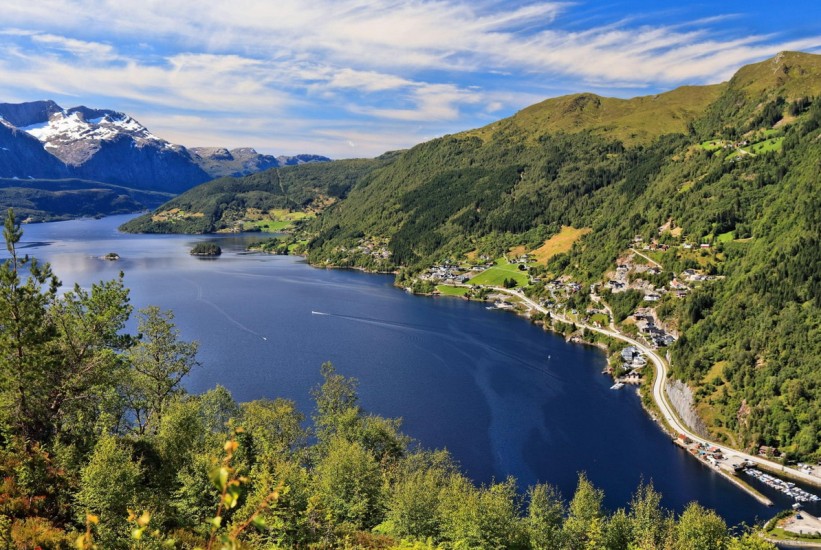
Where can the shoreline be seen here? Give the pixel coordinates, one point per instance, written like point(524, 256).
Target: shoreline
point(578, 338)
point(667, 421)
point(660, 412)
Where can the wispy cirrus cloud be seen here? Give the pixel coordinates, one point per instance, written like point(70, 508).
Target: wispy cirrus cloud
point(376, 73)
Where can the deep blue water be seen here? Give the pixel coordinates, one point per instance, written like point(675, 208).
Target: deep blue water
point(505, 397)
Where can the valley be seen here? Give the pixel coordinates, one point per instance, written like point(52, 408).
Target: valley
point(660, 254)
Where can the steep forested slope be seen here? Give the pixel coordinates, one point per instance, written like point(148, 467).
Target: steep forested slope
point(37, 200)
point(741, 176)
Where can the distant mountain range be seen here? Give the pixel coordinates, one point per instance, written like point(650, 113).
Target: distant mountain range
point(40, 140)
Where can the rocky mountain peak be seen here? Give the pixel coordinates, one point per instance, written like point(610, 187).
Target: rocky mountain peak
point(26, 114)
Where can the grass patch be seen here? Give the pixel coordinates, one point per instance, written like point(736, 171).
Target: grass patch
point(686, 186)
point(517, 251)
point(782, 534)
point(502, 269)
point(559, 243)
point(600, 318)
point(447, 290)
point(717, 370)
point(712, 145)
point(274, 221)
point(655, 255)
point(175, 214)
point(767, 146)
point(267, 226)
point(726, 237)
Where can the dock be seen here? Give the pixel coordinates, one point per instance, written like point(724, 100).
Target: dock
point(712, 458)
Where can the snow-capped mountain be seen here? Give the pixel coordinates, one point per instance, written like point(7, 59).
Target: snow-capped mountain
point(74, 135)
point(112, 147)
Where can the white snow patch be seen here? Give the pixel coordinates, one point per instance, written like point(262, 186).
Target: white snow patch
point(36, 129)
point(63, 128)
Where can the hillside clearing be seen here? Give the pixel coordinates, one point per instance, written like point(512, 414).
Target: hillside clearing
point(496, 275)
point(447, 290)
point(559, 243)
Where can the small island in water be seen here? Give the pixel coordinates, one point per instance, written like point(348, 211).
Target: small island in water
point(206, 249)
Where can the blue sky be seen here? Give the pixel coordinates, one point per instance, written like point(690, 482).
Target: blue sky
point(350, 78)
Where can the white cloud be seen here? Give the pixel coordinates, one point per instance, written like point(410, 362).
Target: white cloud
point(369, 81)
point(376, 73)
point(79, 48)
point(379, 42)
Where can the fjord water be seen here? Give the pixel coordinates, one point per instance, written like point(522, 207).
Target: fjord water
point(504, 396)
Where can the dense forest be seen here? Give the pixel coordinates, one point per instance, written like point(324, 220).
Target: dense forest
point(101, 447)
point(749, 341)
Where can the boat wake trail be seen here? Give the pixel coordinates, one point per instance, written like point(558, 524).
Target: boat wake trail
point(459, 341)
point(377, 322)
point(201, 298)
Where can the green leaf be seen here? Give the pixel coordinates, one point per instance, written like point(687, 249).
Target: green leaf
point(219, 477)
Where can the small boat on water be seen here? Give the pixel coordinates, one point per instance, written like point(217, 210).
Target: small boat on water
point(617, 386)
point(319, 313)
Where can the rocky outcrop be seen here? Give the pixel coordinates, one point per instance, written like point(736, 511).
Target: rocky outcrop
point(681, 398)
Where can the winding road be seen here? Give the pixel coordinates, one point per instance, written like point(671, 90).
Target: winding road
point(660, 396)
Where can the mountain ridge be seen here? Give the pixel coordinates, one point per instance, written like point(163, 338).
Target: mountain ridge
point(111, 146)
point(41, 141)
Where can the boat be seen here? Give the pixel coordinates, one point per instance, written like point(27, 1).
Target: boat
point(787, 487)
point(319, 313)
point(617, 386)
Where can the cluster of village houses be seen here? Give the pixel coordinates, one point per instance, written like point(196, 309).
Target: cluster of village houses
point(628, 275)
point(450, 273)
point(633, 361)
point(708, 453)
point(374, 248)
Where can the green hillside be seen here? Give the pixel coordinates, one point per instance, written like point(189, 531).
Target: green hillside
point(270, 198)
point(732, 167)
point(51, 200)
